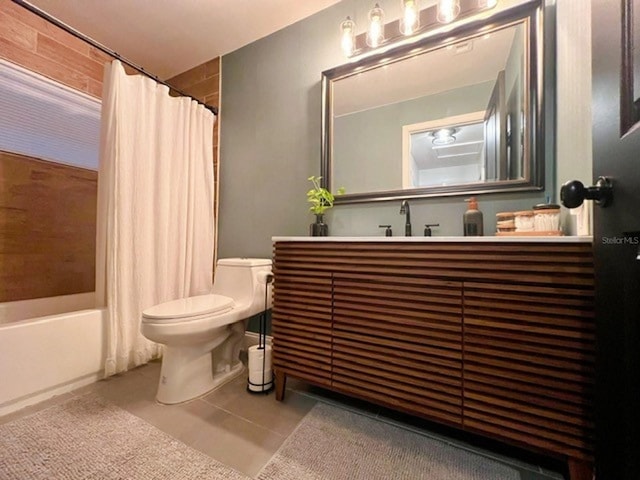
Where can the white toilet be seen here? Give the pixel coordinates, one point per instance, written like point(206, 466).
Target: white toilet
point(203, 335)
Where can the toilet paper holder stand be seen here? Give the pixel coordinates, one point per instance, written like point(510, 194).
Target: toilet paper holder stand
point(266, 384)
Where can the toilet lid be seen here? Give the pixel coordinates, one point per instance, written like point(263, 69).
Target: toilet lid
point(189, 307)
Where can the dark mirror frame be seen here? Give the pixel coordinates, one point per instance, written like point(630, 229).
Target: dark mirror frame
point(532, 15)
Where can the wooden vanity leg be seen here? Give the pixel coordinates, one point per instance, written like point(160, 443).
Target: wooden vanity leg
point(580, 469)
point(281, 383)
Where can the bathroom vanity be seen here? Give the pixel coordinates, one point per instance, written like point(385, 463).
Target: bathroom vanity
point(491, 335)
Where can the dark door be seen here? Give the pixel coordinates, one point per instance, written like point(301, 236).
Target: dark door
point(616, 150)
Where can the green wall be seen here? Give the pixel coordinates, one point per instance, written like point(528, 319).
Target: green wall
point(270, 132)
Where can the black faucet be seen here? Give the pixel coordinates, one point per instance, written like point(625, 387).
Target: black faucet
point(404, 210)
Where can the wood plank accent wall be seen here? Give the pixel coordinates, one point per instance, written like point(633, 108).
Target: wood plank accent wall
point(37, 45)
point(494, 338)
point(47, 228)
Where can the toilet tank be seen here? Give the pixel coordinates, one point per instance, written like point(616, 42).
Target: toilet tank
point(243, 280)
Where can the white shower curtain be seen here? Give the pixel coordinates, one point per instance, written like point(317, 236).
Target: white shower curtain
point(155, 236)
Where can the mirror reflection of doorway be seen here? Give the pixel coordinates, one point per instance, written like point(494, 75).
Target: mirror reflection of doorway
point(495, 133)
point(446, 152)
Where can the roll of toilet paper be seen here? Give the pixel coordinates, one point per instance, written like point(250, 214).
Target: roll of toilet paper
point(256, 380)
point(260, 373)
point(256, 356)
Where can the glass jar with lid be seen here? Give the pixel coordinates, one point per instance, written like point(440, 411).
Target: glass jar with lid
point(505, 222)
point(524, 221)
point(546, 217)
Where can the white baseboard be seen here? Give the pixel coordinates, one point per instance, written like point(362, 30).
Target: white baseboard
point(251, 338)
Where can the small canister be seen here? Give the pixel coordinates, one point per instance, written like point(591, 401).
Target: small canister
point(524, 221)
point(505, 222)
point(546, 217)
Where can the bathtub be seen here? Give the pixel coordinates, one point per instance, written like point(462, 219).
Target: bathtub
point(44, 353)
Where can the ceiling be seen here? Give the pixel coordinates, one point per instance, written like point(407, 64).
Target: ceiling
point(168, 37)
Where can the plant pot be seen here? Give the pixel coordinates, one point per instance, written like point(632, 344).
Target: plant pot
point(319, 228)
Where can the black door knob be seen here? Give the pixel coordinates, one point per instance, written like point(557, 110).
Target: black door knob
point(573, 193)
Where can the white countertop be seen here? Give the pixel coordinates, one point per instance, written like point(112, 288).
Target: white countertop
point(507, 239)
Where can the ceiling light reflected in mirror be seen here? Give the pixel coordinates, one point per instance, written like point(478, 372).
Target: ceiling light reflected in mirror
point(444, 136)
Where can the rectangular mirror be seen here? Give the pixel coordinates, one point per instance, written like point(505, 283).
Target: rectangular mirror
point(454, 113)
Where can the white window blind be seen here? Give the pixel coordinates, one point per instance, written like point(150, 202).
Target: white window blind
point(42, 118)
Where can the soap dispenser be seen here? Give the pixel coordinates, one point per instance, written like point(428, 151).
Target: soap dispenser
point(473, 224)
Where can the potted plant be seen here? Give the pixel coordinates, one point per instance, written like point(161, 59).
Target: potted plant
point(321, 200)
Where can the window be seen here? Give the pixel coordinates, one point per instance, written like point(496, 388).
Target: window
point(44, 119)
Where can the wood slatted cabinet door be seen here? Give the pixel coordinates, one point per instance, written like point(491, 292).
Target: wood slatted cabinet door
point(397, 342)
point(301, 325)
point(529, 364)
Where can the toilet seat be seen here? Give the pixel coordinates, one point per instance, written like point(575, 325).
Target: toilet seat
point(187, 309)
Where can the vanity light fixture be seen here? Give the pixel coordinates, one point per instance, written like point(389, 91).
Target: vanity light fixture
point(348, 36)
point(410, 21)
point(375, 34)
point(448, 10)
point(413, 22)
point(444, 136)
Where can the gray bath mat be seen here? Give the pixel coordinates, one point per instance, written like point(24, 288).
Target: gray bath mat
point(332, 443)
point(86, 438)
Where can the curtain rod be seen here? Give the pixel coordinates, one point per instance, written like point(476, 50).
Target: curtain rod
point(108, 51)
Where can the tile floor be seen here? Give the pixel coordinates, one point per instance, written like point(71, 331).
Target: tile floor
point(244, 430)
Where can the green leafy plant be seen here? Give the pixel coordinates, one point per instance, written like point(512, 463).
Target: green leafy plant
point(320, 198)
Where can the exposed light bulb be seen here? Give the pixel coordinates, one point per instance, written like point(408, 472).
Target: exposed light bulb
point(448, 10)
point(348, 38)
point(410, 21)
point(375, 34)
